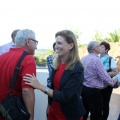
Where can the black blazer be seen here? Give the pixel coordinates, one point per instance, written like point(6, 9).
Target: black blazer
point(69, 94)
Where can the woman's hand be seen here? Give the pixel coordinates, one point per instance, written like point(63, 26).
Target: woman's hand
point(115, 80)
point(116, 85)
point(31, 80)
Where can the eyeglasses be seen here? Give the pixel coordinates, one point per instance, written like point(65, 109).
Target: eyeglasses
point(34, 41)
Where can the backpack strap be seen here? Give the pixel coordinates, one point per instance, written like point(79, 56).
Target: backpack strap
point(110, 62)
point(17, 69)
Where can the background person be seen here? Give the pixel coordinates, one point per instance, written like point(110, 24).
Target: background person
point(5, 48)
point(50, 60)
point(95, 78)
point(24, 41)
point(67, 78)
point(111, 68)
point(50, 63)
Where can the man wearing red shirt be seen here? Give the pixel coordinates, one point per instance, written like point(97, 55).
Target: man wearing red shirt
point(24, 41)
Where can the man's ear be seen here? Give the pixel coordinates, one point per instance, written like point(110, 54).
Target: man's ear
point(27, 42)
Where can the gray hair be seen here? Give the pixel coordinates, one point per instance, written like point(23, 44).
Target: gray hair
point(22, 35)
point(91, 45)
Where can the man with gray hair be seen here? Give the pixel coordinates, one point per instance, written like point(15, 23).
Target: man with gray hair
point(95, 79)
point(24, 41)
point(5, 48)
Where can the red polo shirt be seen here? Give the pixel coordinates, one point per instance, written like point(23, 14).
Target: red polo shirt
point(8, 62)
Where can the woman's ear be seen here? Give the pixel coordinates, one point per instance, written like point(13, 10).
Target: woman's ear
point(71, 46)
point(106, 51)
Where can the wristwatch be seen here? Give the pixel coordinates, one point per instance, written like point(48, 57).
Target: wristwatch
point(46, 90)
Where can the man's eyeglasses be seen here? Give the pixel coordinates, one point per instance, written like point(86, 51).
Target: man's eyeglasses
point(34, 41)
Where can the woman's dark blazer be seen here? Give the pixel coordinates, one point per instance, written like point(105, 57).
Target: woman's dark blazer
point(69, 94)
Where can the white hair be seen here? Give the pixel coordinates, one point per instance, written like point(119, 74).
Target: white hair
point(22, 35)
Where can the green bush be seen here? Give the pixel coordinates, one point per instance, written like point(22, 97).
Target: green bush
point(41, 57)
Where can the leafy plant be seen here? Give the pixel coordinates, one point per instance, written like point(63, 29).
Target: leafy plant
point(114, 37)
point(41, 56)
point(77, 35)
point(98, 36)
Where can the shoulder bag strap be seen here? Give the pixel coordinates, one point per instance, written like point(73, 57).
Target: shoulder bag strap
point(110, 62)
point(17, 69)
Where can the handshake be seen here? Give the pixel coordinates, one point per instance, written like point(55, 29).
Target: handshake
point(116, 80)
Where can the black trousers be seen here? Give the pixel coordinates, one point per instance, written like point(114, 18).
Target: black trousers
point(118, 117)
point(106, 95)
point(92, 100)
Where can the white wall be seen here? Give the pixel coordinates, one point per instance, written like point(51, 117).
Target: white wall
point(40, 97)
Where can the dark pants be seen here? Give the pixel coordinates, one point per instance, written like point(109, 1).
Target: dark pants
point(118, 117)
point(106, 95)
point(92, 100)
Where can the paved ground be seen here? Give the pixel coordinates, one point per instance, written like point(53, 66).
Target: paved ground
point(114, 105)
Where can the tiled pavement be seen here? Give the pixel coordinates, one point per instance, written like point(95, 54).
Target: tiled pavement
point(114, 105)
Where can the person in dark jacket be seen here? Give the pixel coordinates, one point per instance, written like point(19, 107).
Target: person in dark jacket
point(67, 76)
